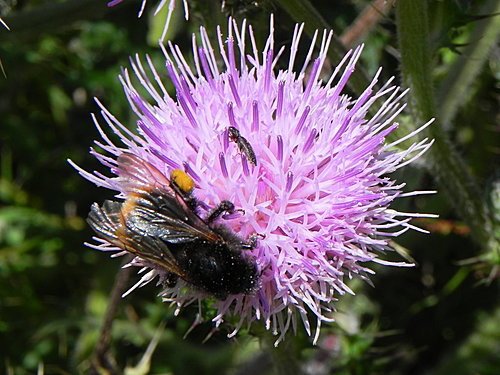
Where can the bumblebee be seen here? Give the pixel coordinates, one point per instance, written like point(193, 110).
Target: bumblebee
point(159, 223)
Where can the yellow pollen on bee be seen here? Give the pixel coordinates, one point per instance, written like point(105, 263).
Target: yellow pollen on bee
point(182, 180)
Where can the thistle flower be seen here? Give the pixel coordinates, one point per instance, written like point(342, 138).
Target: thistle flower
point(171, 7)
point(318, 191)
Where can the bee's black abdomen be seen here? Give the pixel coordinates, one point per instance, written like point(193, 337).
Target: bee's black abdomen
point(217, 269)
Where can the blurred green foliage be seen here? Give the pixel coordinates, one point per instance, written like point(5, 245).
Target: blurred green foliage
point(441, 317)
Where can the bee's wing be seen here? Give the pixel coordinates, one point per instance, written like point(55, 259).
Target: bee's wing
point(107, 221)
point(151, 249)
point(161, 204)
point(137, 175)
point(166, 217)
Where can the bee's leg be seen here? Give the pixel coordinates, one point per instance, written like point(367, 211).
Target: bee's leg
point(192, 202)
point(224, 206)
point(251, 241)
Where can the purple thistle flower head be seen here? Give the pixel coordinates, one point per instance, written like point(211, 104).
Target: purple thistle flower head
point(306, 167)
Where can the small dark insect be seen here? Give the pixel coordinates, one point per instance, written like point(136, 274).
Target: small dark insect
point(244, 146)
point(158, 223)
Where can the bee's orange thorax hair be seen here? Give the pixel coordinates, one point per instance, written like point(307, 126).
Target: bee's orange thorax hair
point(128, 206)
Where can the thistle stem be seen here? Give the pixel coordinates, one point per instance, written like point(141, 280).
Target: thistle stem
point(452, 174)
